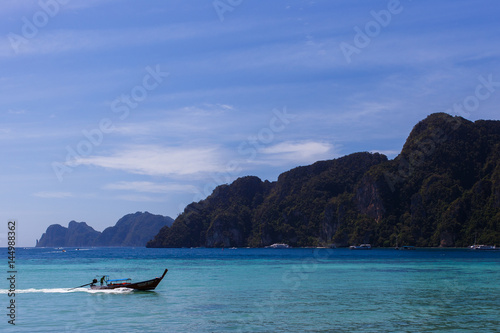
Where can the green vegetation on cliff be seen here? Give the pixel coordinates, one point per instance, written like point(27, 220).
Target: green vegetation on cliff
point(442, 190)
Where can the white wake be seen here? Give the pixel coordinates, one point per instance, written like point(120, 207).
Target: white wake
point(69, 290)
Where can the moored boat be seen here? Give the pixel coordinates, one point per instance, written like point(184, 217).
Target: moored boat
point(484, 247)
point(361, 247)
point(278, 246)
point(406, 247)
point(106, 283)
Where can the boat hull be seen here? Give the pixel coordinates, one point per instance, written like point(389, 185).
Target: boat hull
point(143, 285)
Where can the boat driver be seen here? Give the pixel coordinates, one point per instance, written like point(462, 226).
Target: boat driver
point(102, 279)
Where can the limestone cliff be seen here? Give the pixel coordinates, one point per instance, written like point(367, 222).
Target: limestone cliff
point(131, 230)
point(443, 189)
point(77, 234)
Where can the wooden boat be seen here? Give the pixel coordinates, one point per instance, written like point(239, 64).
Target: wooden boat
point(106, 283)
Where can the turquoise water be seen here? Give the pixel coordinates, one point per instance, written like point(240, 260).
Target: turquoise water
point(257, 290)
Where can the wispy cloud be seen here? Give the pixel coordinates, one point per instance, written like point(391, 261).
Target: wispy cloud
point(5, 131)
point(53, 195)
point(186, 124)
point(70, 40)
point(296, 152)
point(140, 198)
point(16, 111)
point(58, 41)
point(156, 160)
point(226, 107)
point(150, 187)
point(21, 7)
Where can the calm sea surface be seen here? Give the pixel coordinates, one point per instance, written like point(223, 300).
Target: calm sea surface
point(256, 290)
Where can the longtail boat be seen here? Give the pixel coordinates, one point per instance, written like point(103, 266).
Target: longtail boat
point(106, 283)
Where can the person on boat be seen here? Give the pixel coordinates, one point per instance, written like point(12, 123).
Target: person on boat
point(94, 281)
point(102, 279)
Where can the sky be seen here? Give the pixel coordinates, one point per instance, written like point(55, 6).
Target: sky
point(111, 107)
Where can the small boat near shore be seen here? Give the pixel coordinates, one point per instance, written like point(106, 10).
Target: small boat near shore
point(405, 247)
point(278, 246)
point(483, 247)
point(106, 283)
point(361, 247)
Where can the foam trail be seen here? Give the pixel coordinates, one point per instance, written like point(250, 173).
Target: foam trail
point(69, 290)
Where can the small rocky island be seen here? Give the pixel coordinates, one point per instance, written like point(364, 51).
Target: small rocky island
point(131, 230)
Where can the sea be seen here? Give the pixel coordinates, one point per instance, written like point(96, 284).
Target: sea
point(253, 290)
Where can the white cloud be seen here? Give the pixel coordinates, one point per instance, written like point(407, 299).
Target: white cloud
point(140, 198)
point(5, 131)
point(70, 40)
point(296, 152)
point(16, 111)
point(181, 122)
point(28, 7)
point(150, 187)
point(159, 161)
point(226, 106)
point(53, 195)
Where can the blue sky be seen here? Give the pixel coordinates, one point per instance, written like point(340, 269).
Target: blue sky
point(110, 107)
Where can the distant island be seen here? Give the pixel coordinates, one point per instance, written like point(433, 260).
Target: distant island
point(131, 230)
point(443, 189)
